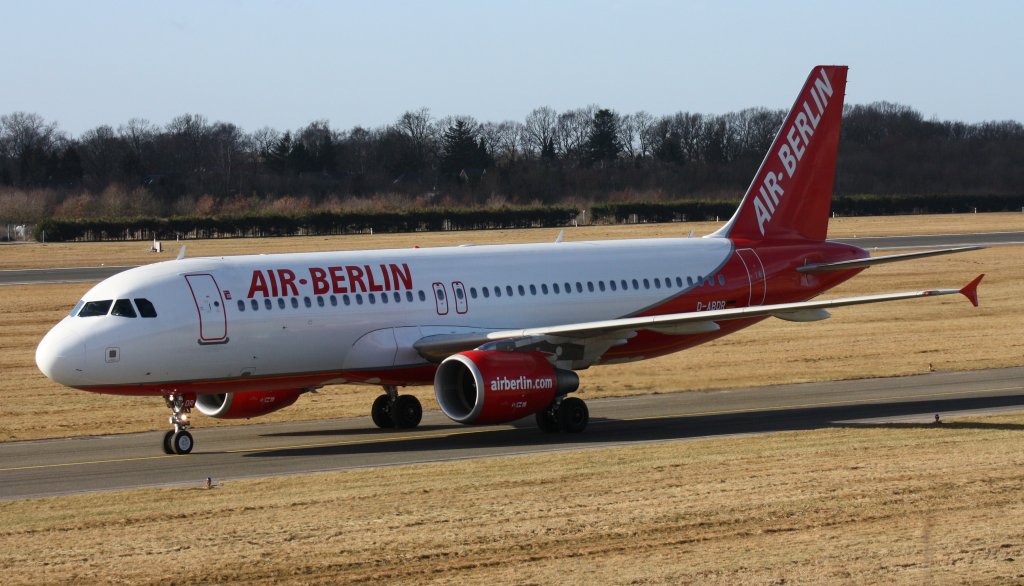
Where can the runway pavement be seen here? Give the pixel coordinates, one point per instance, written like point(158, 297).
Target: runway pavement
point(96, 274)
point(96, 463)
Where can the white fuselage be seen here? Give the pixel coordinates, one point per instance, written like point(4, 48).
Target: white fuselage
point(333, 315)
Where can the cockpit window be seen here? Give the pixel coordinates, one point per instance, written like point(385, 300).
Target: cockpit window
point(77, 307)
point(94, 308)
point(123, 308)
point(146, 308)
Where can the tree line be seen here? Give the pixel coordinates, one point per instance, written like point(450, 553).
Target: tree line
point(584, 156)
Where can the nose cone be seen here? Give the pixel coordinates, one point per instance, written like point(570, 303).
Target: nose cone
point(61, 357)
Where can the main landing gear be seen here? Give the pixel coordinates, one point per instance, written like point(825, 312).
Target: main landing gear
point(178, 440)
point(567, 414)
point(392, 410)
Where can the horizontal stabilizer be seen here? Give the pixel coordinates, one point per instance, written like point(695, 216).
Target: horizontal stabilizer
point(877, 260)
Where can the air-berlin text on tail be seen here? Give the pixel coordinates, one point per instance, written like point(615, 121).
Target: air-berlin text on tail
point(338, 279)
point(797, 137)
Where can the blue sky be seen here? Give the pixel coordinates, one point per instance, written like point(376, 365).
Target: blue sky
point(284, 64)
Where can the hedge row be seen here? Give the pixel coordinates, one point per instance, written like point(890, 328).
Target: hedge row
point(329, 223)
point(310, 224)
point(854, 205)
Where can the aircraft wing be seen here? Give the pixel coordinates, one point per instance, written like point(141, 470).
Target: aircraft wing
point(440, 346)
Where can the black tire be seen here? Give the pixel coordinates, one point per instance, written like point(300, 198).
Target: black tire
point(182, 442)
point(547, 421)
point(168, 447)
point(573, 415)
point(407, 412)
point(380, 414)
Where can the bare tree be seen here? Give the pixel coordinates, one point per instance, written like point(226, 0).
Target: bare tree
point(540, 129)
point(574, 129)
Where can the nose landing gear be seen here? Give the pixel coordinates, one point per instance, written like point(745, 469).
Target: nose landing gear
point(178, 440)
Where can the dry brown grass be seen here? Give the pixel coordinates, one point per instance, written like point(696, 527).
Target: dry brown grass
point(894, 504)
point(14, 256)
point(881, 340)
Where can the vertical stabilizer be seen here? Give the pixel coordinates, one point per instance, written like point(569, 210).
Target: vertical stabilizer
point(791, 195)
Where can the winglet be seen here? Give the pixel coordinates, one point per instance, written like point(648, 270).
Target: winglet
point(970, 290)
point(181, 253)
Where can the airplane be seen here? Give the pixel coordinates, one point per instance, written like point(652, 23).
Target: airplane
point(498, 330)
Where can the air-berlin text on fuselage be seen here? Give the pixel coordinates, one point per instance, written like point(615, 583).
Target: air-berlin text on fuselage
point(797, 137)
point(337, 279)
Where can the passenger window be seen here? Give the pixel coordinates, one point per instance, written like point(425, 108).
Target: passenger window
point(679, 281)
point(579, 287)
point(346, 300)
point(533, 289)
point(459, 293)
point(472, 292)
point(440, 294)
point(647, 284)
point(373, 299)
point(600, 286)
point(334, 300)
point(320, 300)
point(123, 308)
point(280, 302)
point(625, 285)
point(497, 291)
point(268, 304)
point(359, 298)
point(306, 301)
point(486, 291)
point(408, 296)
point(255, 305)
point(423, 296)
point(554, 287)
point(74, 310)
point(508, 289)
point(636, 285)
point(398, 297)
point(611, 284)
point(590, 286)
point(95, 308)
point(657, 282)
point(721, 279)
point(689, 281)
point(522, 291)
point(146, 308)
point(241, 305)
point(295, 302)
point(544, 288)
point(383, 297)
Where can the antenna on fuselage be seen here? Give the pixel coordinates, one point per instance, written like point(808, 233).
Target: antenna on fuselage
point(181, 253)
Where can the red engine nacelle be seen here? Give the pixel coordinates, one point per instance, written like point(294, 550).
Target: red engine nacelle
point(246, 404)
point(486, 386)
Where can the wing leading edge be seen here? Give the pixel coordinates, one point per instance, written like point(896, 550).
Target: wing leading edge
point(437, 347)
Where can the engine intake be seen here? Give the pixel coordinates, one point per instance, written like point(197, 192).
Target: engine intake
point(486, 386)
point(245, 404)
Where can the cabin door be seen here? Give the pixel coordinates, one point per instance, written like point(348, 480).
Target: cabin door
point(213, 319)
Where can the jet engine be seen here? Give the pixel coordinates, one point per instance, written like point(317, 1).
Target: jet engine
point(245, 404)
point(487, 386)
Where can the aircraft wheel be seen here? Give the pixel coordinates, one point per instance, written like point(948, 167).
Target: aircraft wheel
point(182, 442)
point(547, 420)
point(573, 415)
point(407, 412)
point(168, 447)
point(380, 414)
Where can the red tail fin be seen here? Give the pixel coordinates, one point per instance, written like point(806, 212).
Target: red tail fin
point(791, 194)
